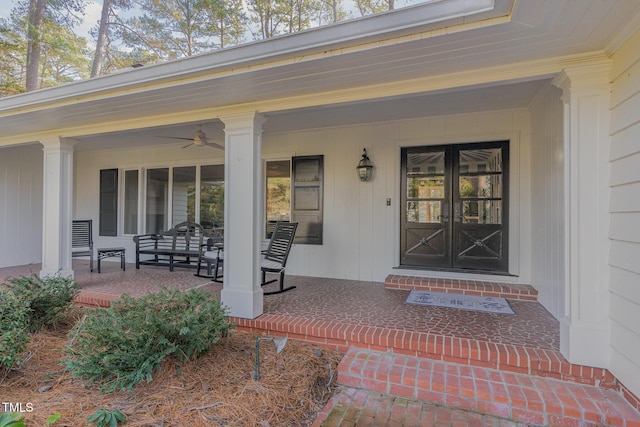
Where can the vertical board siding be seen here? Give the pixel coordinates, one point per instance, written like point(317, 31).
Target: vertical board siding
point(20, 205)
point(547, 213)
point(361, 233)
point(625, 215)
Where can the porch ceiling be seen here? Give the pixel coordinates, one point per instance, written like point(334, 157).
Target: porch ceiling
point(406, 61)
point(516, 95)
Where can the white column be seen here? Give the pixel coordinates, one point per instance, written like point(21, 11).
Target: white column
point(57, 207)
point(584, 327)
point(243, 214)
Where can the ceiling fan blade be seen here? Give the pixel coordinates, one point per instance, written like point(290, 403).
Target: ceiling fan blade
point(175, 137)
point(214, 145)
point(188, 145)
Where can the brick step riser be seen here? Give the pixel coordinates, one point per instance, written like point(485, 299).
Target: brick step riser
point(522, 398)
point(541, 363)
point(516, 292)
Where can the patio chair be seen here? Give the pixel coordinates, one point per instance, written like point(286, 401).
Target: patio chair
point(274, 259)
point(82, 239)
point(213, 256)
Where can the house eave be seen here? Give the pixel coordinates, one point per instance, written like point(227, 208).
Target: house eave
point(439, 15)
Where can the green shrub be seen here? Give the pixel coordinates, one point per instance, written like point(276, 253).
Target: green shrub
point(14, 328)
point(104, 418)
point(9, 419)
point(48, 299)
point(122, 345)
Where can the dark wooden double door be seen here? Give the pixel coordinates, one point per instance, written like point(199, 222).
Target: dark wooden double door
point(455, 207)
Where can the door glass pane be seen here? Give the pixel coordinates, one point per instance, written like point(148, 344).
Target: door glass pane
point(482, 212)
point(131, 202)
point(425, 163)
point(157, 200)
point(483, 160)
point(424, 211)
point(212, 197)
point(481, 186)
point(425, 187)
point(278, 203)
point(183, 200)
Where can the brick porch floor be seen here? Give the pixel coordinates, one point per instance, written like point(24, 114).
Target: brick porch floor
point(506, 366)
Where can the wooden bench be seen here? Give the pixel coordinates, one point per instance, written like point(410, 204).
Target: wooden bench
point(177, 247)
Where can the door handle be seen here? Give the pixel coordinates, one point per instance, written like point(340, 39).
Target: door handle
point(456, 212)
point(445, 208)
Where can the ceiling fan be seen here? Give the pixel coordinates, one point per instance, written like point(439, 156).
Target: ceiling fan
point(199, 138)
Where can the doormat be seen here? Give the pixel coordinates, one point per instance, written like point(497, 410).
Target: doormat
point(463, 302)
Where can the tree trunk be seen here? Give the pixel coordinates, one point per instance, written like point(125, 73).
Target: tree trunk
point(34, 40)
point(96, 67)
point(334, 10)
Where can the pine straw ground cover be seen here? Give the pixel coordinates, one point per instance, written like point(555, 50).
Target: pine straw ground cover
point(216, 389)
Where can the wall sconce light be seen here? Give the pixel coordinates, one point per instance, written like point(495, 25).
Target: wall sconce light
point(364, 168)
point(279, 344)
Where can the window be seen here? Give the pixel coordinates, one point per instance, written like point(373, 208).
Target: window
point(170, 197)
point(294, 192)
point(130, 202)
point(157, 200)
point(278, 193)
point(307, 198)
point(108, 202)
point(212, 197)
point(183, 199)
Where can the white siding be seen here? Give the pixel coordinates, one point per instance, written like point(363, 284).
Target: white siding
point(625, 215)
point(20, 205)
point(547, 193)
point(361, 233)
point(87, 165)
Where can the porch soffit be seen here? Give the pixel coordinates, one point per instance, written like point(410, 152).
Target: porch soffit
point(393, 55)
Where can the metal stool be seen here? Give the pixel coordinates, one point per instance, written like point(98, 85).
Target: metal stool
point(111, 252)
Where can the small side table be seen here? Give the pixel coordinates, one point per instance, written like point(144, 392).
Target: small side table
point(111, 252)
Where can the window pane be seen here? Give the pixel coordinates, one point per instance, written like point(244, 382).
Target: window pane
point(212, 196)
point(482, 212)
point(485, 160)
point(421, 163)
point(481, 186)
point(424, 212)
point(425, 187)
point(307, 198)
point(183, 200)
point(131, 202)
point(278, 203)
point(157, 200)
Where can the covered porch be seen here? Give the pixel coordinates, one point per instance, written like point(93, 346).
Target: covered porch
point(416, 79)
point(512, 363)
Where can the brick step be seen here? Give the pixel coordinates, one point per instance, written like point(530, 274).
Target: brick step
point(512, 291)
point(519, 397)
point(466, 351)
point(357, 407)
point(93, 299)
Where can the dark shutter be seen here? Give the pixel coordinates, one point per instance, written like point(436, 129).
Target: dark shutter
point(109, 202)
